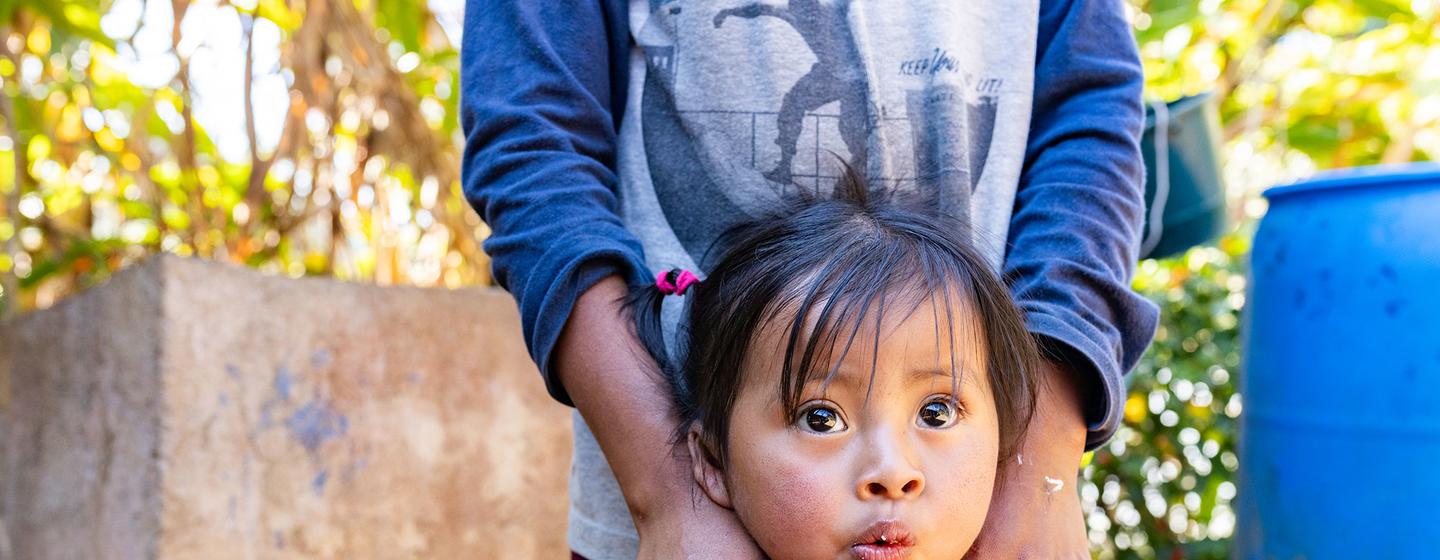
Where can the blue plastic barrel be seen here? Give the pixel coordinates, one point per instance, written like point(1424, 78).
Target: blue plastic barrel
point(1340, 429)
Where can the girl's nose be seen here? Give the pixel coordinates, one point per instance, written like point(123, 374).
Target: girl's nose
point(892, 475)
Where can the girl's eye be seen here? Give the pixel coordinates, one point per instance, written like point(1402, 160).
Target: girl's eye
point(823, 420)
point(939, 413)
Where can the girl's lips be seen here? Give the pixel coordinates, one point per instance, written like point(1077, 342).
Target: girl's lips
point(877, 552)
point(885, 540)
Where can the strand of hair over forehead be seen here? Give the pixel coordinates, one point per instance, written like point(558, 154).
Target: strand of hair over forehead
point(860, 268)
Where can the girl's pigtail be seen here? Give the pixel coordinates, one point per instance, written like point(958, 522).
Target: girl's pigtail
point(645, 303)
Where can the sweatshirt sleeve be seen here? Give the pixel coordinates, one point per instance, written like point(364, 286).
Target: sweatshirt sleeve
point(1074, 236)
point(542, 87)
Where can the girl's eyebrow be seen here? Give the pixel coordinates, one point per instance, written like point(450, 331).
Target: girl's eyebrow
point(922, 374)
point(858, 381)
point(928, 372)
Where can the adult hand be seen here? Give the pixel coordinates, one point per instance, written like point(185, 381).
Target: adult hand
point(1035, 510)
point(627, 405)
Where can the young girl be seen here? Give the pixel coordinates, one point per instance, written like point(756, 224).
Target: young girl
point(851, 377)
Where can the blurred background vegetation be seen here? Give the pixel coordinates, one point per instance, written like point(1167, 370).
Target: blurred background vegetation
point(321, 137)
point(300, 137)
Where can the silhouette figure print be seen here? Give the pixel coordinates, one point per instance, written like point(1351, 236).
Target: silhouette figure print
point(837, 75)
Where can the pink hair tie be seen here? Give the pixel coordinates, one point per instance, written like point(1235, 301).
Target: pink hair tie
point(675, 281)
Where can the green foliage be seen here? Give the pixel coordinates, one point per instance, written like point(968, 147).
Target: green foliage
point(1163, 485)
point(403, 21)
point(98, 170)
point(78, 18)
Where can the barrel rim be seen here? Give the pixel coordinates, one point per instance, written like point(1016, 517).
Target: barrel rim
point(1373, 175)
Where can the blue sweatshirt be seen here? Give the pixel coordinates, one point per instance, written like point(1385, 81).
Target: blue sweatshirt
point(545, 90)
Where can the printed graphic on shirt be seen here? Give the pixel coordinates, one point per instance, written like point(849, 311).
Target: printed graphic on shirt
point(727, 129)
point(836, 77)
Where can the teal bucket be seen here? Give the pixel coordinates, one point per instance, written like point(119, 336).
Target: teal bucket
point(1184, 195)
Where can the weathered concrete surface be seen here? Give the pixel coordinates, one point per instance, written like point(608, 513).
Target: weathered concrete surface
point(194, 410)
point(81, 424)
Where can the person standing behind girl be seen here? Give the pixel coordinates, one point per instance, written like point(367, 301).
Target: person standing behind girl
point(851, 377)
point(606, 138)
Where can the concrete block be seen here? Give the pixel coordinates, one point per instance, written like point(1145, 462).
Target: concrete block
point(188, 409)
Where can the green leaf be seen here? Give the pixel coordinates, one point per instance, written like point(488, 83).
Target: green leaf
point(1166, 15)
point(41, 270)
point(1383, 9)
point(7, 10)
point(1317, 137)
point(404, 20)
point(73, 16)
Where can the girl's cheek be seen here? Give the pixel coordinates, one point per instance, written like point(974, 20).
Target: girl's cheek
point(790, 500)
point(960, 480)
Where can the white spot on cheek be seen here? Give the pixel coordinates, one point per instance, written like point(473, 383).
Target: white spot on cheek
point(1019, 459)
point(1053, 485)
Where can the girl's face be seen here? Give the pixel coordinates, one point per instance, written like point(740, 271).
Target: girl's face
point(898, 467)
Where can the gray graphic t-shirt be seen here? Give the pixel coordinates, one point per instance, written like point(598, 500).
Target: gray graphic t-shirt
point(732, 103)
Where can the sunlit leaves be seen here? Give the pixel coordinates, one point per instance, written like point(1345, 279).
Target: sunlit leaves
point(80, 18)
point(404, 20)
point(1163, 485)
point(123, 168)
point(279, 13)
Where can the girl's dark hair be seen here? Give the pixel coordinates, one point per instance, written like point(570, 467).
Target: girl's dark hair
point(830, 260)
